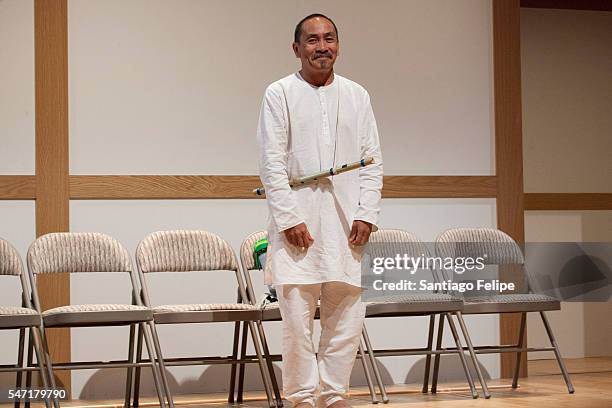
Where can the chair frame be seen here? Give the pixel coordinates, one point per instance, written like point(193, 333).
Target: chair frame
point(75, 321)
point(519, 347)
point(445, 309)
point(248, 317)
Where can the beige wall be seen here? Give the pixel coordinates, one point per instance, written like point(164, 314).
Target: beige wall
point(567, 133)
point(174, 87)
point(17, 87)
point(16, 144)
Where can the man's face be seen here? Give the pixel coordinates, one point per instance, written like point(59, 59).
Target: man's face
point(318, 46)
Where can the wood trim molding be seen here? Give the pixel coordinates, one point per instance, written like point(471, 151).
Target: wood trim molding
point(161, 187)
point(240, 187)
point(568, 201)
point(52, 198)
point(17, 187)
point(595, 5)
point(508, 149)
point(439, 187)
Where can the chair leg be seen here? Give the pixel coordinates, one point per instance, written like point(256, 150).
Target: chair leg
point(381, 385)
point(138, 368)
point(130, 370)
point(29, 359)
point(432, 322)
point(232, 384)
point(266, 351)
point(553, 342)
point(521, 340)
point(36, 336)
point(48, 363)
point(241, 366)
point(162, 365)
point(468, 375)
point(154, 368)
point(468, 341)
point(434, 380)
point(366, 372)
point(20, 353)
point(263, 368)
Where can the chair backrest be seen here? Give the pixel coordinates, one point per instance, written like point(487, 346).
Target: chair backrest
point(246, 249)
point(388, 242)
point(184, 251)
point(10, 261)
point(499, 247)
point(77, 252)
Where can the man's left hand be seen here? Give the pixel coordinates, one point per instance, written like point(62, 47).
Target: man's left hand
point(360, 232)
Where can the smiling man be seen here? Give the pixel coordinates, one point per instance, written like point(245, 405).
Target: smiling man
point(310, 121)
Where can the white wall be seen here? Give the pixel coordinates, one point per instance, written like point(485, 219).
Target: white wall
point(567, 128)
point(17, 87)
point(16, 146)
point(178, 84)
point(173, 87)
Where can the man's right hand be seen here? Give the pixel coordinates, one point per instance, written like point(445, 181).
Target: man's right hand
point(299, 236)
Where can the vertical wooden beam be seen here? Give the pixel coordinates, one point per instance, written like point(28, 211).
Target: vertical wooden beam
point(52, 191)
point(508, 147)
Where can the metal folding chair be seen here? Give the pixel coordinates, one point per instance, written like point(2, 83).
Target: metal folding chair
point(271, 312)
point(21, 318)
point(501, 250)
point(388, 243)
point(87, 253)
point(197, 251)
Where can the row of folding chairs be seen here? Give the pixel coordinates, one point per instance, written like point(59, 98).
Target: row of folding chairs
point(181, 251)
point(501, 250)
point(169, 251)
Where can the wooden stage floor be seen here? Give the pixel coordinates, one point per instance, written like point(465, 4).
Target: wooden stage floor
point(544, 388)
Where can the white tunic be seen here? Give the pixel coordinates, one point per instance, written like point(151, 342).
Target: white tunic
point(304, 129)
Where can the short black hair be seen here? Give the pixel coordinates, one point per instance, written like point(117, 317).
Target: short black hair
point(298, 28)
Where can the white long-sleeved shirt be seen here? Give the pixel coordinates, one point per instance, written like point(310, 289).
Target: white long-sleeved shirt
point(304, 129)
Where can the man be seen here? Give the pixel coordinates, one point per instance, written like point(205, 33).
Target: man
point(310, 121)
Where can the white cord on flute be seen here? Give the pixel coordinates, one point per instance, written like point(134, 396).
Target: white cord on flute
point(331, 172)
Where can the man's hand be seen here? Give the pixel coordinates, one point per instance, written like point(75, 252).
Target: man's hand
point(299, 236)
point(360, 232)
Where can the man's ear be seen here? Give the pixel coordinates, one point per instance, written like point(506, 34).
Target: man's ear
point(296, 49)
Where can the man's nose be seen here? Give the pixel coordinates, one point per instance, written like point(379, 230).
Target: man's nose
point(321, 45)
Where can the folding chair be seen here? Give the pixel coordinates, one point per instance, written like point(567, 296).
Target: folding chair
point(271, 312)
point(500, 249)
point(21, 318)
point(387, 243)
point(87, 253)
point(196, 251)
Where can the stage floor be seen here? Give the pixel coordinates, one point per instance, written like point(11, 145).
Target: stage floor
point(544, 388)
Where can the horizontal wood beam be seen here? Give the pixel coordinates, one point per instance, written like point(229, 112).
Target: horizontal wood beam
point(234, 187)
point(596, 5)
point(161, 187)
point(17, 187)
point(439, 187)
point(568, 201)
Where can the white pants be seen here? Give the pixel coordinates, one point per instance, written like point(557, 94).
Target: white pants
point(320, 379)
